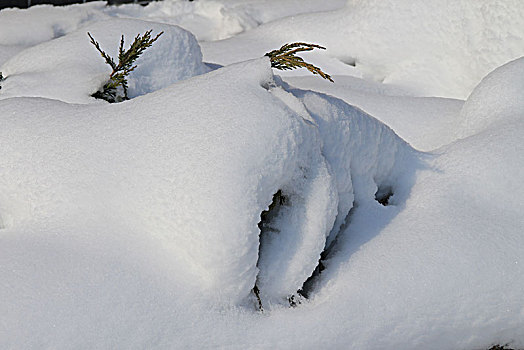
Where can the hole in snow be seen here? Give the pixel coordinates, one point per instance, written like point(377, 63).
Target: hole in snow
point(265, 226)
point(383, 195)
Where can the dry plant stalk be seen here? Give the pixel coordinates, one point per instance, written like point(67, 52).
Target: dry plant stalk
point(285, 58)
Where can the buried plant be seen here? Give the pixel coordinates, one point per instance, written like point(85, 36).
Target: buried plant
point(1, 79)
point(115, 90)
point(285, 58)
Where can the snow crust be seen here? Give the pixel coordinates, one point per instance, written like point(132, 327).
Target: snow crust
point(138, 224)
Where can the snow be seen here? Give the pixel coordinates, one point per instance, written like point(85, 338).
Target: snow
point(138, 224)
point(395, 108)
point(39, 72)
point(451, 46)
point(497, 98)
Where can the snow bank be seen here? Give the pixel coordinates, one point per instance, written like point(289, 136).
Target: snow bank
point(461, 223)
point(207, 20)
point(364, 156)
point(426, 123)
point(451, 46)
point(135, 225)
point(440, 267)
point(78, 167)
point(70, 69)
point(21, 29)
point(496, 99)
point(42, 23)
point(218, 20)
point(84, 170)
point(449, 264)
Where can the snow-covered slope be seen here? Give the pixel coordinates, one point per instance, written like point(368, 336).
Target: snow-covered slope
point(66, 169)
point(388, 221)
point(79, 70)
point(451, 45)
point(497, 99)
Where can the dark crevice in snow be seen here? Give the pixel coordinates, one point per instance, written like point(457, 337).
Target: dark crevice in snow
point(213, 66)
point(350, 61)
point(383, 195)
point(265, 226)
point(295, 300)
point(268, 85)
point(278, 201)
point(311, 284)
point(58, 31)
point(256, 292)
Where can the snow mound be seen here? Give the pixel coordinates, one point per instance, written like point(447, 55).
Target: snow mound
point(78, 169)
point(446, 40)
point(84, 172)
point(42, 23)
point(364, 156)
point(451, 46)
point(40, 70)
point(148, 223)
point(207, 20)
point(217, 20)
point(426, 123)
point(462, 226)
point(498, 97)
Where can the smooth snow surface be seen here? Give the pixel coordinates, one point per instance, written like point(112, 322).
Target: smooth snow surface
point(147, 224)
point(497, 98)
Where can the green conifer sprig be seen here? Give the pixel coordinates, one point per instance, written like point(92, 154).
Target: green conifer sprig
point(126, 60)
point(285, 58)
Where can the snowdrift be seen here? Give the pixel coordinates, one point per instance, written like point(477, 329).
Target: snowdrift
point(79, 70)
point(451, 46)
point(84, 169)
point(497, 99)
point(148, 223)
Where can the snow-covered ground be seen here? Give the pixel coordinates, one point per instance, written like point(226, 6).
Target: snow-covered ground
point(136, 225)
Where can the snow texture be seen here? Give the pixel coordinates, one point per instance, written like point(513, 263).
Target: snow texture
point(74, 75)
point(451, 45)
point(496, 99)
point(138, 224)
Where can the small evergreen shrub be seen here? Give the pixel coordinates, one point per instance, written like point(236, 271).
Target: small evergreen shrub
point(115, 90)
point(285, 58)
